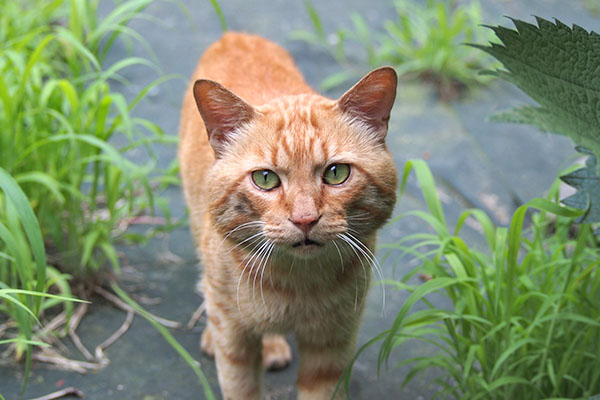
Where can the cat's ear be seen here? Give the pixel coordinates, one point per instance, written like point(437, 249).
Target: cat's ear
point(222, 111)
point(370, 101)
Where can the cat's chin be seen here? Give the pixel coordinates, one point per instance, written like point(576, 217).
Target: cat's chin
point(307, 243)
point(306, 249)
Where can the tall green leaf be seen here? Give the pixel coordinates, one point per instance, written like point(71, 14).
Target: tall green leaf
point(30, 223)
point(220, 14)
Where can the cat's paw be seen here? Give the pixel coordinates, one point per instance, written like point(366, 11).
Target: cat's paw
point(206, 344)
point(276, 352)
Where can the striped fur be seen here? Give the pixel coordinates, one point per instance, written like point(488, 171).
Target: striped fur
point(257, 284)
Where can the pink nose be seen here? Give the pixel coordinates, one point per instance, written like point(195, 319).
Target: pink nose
point(305, 222)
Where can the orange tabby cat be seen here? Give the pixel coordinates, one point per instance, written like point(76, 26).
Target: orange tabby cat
point(286, 190)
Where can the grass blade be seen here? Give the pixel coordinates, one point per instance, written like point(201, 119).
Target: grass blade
point(220, 15)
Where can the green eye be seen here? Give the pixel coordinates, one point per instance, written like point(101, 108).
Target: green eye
point(336, 174)
point(266, 179)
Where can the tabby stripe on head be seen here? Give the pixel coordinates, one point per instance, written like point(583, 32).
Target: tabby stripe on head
point(385, 191)
point(245, 205)
point(309, 146)
point(314, 121)
point(284, 143)
point(232, 188)
point(325, 150)
point(372, 212)
point(274, 154)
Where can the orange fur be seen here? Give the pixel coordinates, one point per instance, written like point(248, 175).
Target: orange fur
point(282, 261)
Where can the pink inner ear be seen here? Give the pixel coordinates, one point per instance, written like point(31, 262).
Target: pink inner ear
point(371, 99)
point(222, 111)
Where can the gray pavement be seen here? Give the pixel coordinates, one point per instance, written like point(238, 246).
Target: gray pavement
point(491, 166)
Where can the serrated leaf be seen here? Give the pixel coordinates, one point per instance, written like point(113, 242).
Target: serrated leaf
point(587, 182)
point(558, 67)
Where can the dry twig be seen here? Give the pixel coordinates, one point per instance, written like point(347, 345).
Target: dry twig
point(124, 306)
point(53, 325)
point(50, 356)
point(70, 391)
point(99, 352)
point(196, 316)
point(43, 334)
point(73, 324)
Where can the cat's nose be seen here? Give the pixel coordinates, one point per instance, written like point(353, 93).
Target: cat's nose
point(305, 222)
point(304, 213)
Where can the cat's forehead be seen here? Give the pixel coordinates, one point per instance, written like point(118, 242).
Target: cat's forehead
point(300, 130)
point(299, 111)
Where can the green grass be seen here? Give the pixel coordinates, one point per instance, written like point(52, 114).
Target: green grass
point(524, 313)
point(23, 262)
point(58, 116)
point(220, 15)
point(425, 41)
point(67, 191)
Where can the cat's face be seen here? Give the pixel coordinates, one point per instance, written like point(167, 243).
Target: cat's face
point(303, 172)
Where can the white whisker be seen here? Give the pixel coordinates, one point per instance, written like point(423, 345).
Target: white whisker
point(245, 240)
point(253, 254)
point(355, 292)
point(371, 257)
point(359, 217)
point(374, 263)
point(352, 230)
point(340, 254)
point(250, 253)
point(263, 249)
point(362, 264)
point(274, 257)
point(291, 267)
point(237, 228)
point(262, 274)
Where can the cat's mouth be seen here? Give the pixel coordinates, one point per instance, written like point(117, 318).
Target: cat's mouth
point(308, 243)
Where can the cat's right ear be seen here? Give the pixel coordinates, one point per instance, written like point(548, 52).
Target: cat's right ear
point(222, 111)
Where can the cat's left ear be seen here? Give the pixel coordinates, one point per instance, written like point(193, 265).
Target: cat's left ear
point(370, 101)
point(222, 111)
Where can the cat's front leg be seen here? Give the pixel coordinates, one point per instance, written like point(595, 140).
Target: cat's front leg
point(321, 366)
point(238, 357)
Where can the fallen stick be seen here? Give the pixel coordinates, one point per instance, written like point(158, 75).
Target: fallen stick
point(126, 307)
point(196, 316)
point(99, 352)
point(70, 391)
point(54, 324)
point(73, 324)
point(44, 335)
point(54, 341)
point(66, 364)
